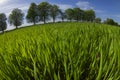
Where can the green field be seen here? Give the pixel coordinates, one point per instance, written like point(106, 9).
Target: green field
point(61, 51)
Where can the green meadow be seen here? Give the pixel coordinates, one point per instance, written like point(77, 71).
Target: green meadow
point(61, 51)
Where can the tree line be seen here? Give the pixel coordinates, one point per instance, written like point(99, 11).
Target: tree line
point(45, 11)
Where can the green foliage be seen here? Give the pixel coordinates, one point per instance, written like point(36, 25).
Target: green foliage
point(69, 13)
point(62, 15)
point(16, 17)
point(44, 11)
point(32, 14)
point(54, 12)
point(3, 24)
point(110, 22)
point(98, 20)
point(80, 15)
point(89, 15)
point(77, 14)
point(61, 51)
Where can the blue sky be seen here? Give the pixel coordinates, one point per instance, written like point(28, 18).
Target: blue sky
point(103, 8)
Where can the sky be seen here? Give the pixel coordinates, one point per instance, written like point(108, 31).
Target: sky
point(103, 8)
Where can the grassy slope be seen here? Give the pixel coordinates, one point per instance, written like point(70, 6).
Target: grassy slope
point(61, 51)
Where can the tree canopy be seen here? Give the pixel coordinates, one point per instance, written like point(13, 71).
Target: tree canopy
point(16, 17)
point(89, 15)
point(3, 24)
point(77, 14)
point(110, 22)
point(44, 11)
point(69, 13)
point(98, 20)
point(62, 15)
point(32, 14)
point(54, 12)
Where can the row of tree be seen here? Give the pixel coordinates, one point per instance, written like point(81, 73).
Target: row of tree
point(15, 18)
point(107, 21)
point(44, 12)
point(111, 22)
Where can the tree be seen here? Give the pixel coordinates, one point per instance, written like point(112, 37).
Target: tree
point(77, 14)
point(116, 24)
point(98, 20)
point(44, 11)
point(89, 15)
point(62, 15)
point(110, 22)
point(54, 11)
point(69, 13)
point(3, 24)
point(32, 14)
point(16, 17)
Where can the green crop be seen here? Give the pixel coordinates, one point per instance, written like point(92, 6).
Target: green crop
point(61, 51)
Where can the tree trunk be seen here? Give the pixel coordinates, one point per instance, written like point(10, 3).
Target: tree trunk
point(16, 27)
point(34, 23)
point(53, 20)
point(77, 18)
point(3, 31)
point(16, 23)
point(44, 20)
point(62, 19)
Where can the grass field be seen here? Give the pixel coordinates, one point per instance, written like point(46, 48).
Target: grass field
point(61, 51)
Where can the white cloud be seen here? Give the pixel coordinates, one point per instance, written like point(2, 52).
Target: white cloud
point(64, 6)
point(99, 11)
point(2, 1)
point(8, 8)
point(26, 7)
point(84, 5)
